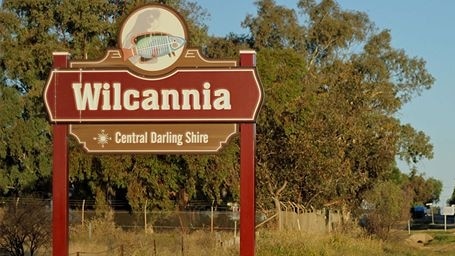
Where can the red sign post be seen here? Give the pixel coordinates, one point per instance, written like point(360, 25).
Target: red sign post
point(154, 79)
point(60, 219)
point(247, 175)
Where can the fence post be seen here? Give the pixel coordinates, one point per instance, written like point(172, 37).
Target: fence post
point(154, 247)
point(83, 212)
point(183, 246)
point(121, 250)
point(90, 230)
point(235, 229)
point(145, 216)
point(329, 221)
point(211, 219)
point(282, 222)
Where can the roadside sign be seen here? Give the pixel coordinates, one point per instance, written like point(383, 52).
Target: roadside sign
point(153, 94)
point(185, 95)
point(153, 138)
point(448, 210)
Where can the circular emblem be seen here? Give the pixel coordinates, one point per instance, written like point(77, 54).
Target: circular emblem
point(153, 37)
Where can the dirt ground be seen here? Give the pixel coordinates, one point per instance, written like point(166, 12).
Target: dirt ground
point(429, 242)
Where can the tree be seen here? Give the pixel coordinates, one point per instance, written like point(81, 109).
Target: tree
point(274, 26)
point(328, 128)
point(85, 29)
point(327, 132)
point(384, 208)
point(24, 227)
point(421, 190)
point(30, 32)
point(413, 145)
point(451, 200)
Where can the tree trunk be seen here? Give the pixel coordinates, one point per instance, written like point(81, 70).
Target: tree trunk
point(276, 201)
point(345, 215)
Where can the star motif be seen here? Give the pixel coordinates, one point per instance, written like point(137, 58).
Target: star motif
point(103, 138)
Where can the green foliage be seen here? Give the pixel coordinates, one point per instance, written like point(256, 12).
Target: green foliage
point(420, 189)
point(274, 27)
point(328, 130)
point(215, 176)
point(413, 145)
point(281, 70)
point(384, 207)
point(31, 31)
point(24, 141)
point(451, 200)
point(444, 238)
point(85, 29)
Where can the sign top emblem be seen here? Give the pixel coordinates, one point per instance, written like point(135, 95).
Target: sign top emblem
point(153, 38)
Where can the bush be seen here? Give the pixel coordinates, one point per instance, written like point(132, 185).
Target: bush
point(24, 227)
point(384, 208)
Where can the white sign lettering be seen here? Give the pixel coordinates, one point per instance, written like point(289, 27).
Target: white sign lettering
point(104, 96)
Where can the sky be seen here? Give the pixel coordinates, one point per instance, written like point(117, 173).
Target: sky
point(423, 29)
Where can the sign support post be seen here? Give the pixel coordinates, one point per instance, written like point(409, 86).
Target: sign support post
point(247, 175)
point(60, 221)
point(247, 189)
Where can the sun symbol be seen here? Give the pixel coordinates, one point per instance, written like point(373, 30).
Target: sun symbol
point(102, 138)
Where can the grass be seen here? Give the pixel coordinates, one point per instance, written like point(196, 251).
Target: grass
point(103, 238)
point(297, 243)
point(106, 239)
point(354, 244)
point(443, 238)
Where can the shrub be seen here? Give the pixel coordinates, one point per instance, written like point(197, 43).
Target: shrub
point(24, 227)
point(385, 203)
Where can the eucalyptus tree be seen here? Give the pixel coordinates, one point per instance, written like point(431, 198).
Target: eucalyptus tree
point(29, 32)
point(333, 83)
point(326, 134)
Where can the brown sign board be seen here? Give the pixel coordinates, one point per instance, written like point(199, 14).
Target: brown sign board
point(185, 95)
point(153, 138)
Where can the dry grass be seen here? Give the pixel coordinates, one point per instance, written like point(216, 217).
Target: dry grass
point(297, 243)
point(103, 238)
point(354, 244)
point(106, 239)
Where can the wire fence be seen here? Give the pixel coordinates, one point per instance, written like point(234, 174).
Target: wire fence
point(175, 231)
point(152, 221)
point(198, 215)
point(221, 224)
